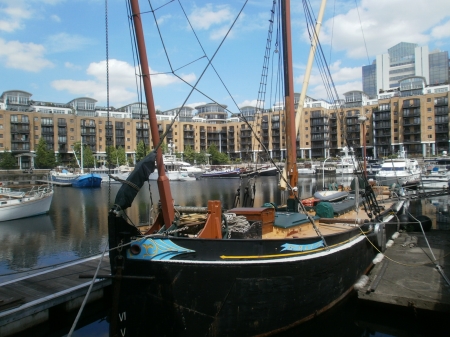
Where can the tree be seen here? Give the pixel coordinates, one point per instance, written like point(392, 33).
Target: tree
point(88, 157)
point(189, 154)
point(121, 156)
point(217, 158)
point(111, 156)
point(7, 161)
point(141, 151)
point(45, 158)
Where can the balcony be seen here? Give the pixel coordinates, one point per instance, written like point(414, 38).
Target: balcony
point(20, 129)
point(411, 131)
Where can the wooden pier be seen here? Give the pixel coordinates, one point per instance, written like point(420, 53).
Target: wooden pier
point(57, 183)
point(408, 276)
point(29, 301)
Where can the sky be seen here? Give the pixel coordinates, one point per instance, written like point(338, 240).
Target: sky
point(56, 49)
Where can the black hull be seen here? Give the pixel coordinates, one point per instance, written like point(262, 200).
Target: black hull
point(202, 294)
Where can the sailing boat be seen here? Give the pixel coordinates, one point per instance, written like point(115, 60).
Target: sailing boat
point(197, 275)
point(85, 180)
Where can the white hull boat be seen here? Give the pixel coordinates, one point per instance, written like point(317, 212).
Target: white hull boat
point(401, 171)
point(17, 205)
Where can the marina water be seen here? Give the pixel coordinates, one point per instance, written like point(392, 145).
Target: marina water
point(76, 227)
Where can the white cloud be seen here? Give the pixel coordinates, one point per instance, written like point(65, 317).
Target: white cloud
point(204, 18)
point(55, 18)
point(122, 83)
point(63, 42)
point(441, 31)
point(12, 15)
point(163, 19)
point(207, 16)
point(70, 65)
point(23, 56)
point(383, 26)
point(248, 103)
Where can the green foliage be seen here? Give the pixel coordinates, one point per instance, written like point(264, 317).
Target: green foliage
point(88, 157)
point(45, 158)
point(111, 156)
point(141, 151)
point(7, 161)
point(217, 158)
point(121, 156)
point(189, 155)
point(200, 158)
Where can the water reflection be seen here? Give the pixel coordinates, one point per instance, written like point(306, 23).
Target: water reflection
point(76, 225)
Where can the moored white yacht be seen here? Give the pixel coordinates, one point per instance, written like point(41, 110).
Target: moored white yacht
point(436, 173)
point(401, 171)
point(349, 163)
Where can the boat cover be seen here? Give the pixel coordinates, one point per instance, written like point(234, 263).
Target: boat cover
point(324, 209)
point(135, 180)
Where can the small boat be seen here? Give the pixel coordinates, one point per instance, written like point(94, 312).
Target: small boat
point(117, 174)
point(264, 171)
point(373, 167)
point(87, 180)
point(64, 176)
point(437, 173)
point(306, 171)
point(225, 173)
point(349, 163)
point(327, 195)
point(401, 171)
point(19, 204)
point(177, 170)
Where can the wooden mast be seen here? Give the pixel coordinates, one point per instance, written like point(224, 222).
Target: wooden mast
point(165, 194)
point(291, 146)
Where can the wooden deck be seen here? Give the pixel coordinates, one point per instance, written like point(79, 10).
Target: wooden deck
point(407, 277)
point(27, 301)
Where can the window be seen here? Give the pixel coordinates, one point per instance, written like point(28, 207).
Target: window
point(430, 127)
point(36, 136)
point(128, 123)
point(429, 110)
point(395, 138)
point(429, 118)
point(100, 130)
point(71, 137)
point(128, 139)
point(1, 144)
point(128, 131)
point(100, 122)
point(100, 138)
point(1, 135)
point(428, 99)
point(36, 127)
point(307, 143)
point(71, 121)
point(306, 128)
point(306, 121)
point(36, 119)
point(128, 147)
point(71, 129)
point(430, 136)
point(395, 130)
point(1, 116)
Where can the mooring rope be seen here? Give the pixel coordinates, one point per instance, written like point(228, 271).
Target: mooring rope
point(88, 292)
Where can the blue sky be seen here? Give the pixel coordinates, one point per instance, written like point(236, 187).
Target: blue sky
point(55, 49)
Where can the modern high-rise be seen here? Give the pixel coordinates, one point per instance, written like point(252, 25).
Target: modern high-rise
point(402, 61)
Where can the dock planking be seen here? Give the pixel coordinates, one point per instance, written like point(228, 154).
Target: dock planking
point(26, 301)
point(407, 276)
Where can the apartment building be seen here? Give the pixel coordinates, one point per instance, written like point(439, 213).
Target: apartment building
point(414, 117)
